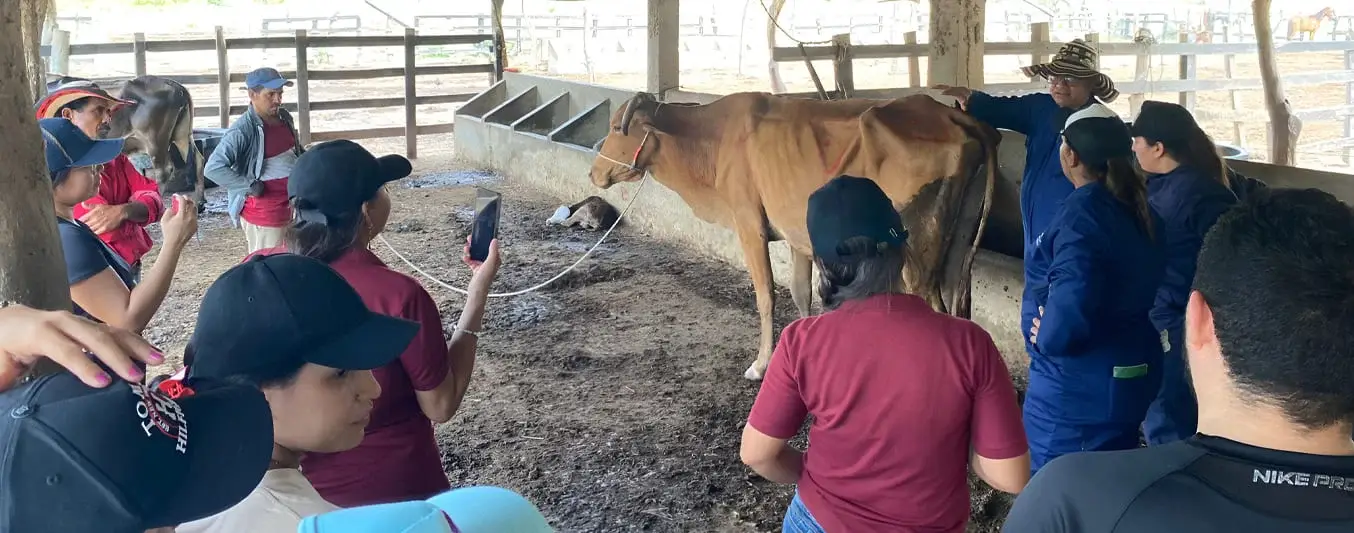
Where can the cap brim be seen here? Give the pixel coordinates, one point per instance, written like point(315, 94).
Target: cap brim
point(48, 106)
point(230, 444)
point(488, 509)
point(101, 152)
point(275, 84)
point(405, 517)
point(374, 343)
point(394, 167)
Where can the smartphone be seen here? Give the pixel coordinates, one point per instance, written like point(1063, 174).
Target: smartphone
point(484, 228)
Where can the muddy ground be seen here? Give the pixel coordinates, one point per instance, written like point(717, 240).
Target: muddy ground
point(613, 398)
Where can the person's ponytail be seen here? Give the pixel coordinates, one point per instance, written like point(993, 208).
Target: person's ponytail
point(1201, 153)
point(1129, 187)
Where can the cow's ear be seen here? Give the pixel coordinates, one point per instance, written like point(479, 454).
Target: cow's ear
point(132, 144)
point(650, 128)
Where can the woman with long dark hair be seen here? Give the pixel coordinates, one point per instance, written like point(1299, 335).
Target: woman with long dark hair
point(1189, 186)
point(905, 400)
point(340, 205)
point(1094, 354)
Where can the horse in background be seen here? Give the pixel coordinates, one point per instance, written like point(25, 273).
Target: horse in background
point(1308, 25)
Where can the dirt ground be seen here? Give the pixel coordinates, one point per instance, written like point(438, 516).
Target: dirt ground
point(613, 398)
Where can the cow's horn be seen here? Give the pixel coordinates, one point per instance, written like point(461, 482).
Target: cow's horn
point(628, 113)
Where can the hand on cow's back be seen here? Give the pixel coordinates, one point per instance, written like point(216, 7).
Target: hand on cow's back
point(960, 94)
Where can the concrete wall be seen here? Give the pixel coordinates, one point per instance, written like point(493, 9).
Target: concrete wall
point(557, 162)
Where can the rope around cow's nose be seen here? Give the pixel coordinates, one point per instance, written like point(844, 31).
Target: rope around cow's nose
point(538, 286)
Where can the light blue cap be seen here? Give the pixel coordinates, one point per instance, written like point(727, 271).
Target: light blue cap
point(471, 510)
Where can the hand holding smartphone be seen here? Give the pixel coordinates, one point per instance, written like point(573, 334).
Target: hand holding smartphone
point(484, 227)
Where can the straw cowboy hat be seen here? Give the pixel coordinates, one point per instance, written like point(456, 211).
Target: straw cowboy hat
point(1077, 60)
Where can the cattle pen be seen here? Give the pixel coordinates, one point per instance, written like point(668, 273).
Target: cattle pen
point(305, 45)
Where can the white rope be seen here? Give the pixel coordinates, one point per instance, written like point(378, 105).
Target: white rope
point(449, 287)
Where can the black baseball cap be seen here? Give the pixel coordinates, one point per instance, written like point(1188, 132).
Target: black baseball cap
point(269, 316)
point(126, 458)
point(332, 180)
point(1163, 121)
point(848, 207)
point(1097, 135)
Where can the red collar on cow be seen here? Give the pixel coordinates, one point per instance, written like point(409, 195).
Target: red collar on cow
point(634, 160)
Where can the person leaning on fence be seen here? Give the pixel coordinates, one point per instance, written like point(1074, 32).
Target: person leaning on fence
point(1271, 359)
point(127, 201)
point(102, 284)
point(254, 159)
point(341, 205)
point(1095, 356)
point(1188, 186)
point(291, 326)
point(1074, 83)
point(904, 399)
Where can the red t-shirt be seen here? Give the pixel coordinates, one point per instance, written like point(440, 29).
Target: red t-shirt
point(398, 459)
point(272, 209)
point(121, 183)
point(898, 392)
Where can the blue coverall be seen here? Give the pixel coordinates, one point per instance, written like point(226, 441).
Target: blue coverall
point(1043, 186)
point(1189, 204)
point(1096, 363)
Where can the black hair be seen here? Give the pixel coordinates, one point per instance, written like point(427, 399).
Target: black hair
point(75, 106)
point(877, 272)
point(1277, 272)
point(1194, 148)
point(59, 177)
point(323, 241)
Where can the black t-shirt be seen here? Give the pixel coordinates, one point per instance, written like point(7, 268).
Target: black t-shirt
point(87, 255)
point(1200, 485)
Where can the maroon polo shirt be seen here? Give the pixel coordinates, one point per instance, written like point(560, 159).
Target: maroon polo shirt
point(398, 459)
point(898, 392)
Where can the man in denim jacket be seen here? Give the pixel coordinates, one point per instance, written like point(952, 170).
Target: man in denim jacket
point(254, 159)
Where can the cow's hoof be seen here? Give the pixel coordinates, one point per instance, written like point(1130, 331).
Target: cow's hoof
point(753, 373)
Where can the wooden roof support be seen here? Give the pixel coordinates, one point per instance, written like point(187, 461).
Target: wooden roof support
point(1284, 127)
point(957, 43)
point(664, 48)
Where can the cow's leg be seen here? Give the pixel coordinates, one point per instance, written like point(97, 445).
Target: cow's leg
point(753, 239)
point(801, 282)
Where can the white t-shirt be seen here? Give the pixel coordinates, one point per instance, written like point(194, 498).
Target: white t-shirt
point(277, 505)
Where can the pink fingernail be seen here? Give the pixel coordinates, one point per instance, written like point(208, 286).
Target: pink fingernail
point(157, 357)
point(136, 373)
point(102, 379)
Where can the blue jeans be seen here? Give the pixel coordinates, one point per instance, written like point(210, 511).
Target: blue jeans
point(798, 519)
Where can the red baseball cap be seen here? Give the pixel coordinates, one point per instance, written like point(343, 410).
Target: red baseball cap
point(59, 96)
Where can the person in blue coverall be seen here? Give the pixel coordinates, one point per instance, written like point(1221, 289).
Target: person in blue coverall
point(1188, 185)
point(1074, 83)
point(1095, 357)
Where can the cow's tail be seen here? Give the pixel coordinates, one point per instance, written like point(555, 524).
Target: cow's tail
point(989, 140)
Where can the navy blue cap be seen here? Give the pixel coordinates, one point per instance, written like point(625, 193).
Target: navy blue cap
point(1163, 121)
point(126, 458)
point(68, 147)
point(266, 78)
point(849, 207)
point(267, 317)
point(332, 180)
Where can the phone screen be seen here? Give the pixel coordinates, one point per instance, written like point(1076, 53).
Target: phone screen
point(484, 228)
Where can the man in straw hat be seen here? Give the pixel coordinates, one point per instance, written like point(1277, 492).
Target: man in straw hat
point(127, 201)
point(1073, 84)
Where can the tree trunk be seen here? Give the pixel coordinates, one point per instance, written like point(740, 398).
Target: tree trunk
point(32, 269)
point(32, 17)
point(1283, 125)
point(777, 86)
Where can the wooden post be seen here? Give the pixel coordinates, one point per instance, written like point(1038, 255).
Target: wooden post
point(663, 48)
point(139, 53)
point(1142, 73)
point(1283, 137)
point(1093, 39)
point(1039, 39)
point(1228, 70)
point(410, 94)
point(1349, 119)
point(222, 78)
point(1188, 65)
point(841, 65)
point(913, 62)
point(302, 88)
point(956, 56)
point(500, 42)
point(59, 61)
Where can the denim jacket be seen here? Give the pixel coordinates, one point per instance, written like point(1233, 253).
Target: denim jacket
point(237, 162)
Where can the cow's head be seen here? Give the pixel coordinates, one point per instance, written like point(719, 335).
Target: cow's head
point(624, 154)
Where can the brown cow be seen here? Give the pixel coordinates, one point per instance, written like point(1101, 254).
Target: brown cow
point(749, 162)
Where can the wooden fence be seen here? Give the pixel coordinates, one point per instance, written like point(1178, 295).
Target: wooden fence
point(303, 76)
point(1040, 48)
